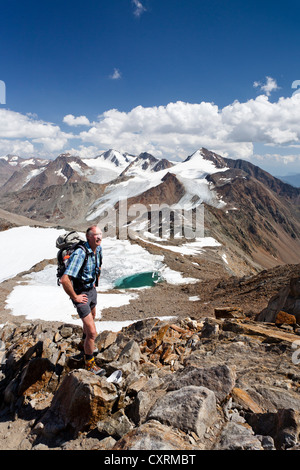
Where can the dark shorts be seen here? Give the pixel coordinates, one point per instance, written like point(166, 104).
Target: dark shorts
point(84, 309)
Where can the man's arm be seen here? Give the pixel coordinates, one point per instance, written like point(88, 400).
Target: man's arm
point(68, 288)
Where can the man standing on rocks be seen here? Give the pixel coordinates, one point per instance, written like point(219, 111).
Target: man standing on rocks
point(79, 282)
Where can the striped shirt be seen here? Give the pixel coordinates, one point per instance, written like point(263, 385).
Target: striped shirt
point(76, 260)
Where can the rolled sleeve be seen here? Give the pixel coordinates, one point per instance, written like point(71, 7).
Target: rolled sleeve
point(75, 263)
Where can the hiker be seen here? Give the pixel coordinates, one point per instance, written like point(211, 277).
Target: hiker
point(79, 283)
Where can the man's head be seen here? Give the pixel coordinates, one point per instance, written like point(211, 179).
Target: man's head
point(94, 236)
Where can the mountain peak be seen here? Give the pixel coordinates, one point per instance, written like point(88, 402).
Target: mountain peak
point(205, 154)
point(117, 158)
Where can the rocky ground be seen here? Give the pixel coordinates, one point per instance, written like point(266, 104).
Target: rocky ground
point(241, 379)
point(241, 376)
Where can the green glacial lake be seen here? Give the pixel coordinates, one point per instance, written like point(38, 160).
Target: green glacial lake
point(146, 279)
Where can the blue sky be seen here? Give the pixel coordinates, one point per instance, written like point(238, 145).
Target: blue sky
point(164, 76)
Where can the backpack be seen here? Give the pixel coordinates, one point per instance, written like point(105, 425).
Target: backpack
point(67, 244)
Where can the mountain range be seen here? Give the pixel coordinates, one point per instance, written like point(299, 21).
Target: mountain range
point(253, 217)
point(294, 179)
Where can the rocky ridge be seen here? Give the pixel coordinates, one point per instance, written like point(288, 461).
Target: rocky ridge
point(226, 382)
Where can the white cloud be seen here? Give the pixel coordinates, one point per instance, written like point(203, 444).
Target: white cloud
point(278, 158)
point(138, 8)
point(24, 134)
point(171, 131)
point(16, 147)
point(116, 75)
point(268, 87)
point(17, 125)
point(179, 128)
point(76, 121)
point(83, 151)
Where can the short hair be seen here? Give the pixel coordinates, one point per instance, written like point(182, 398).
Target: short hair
point(87, 233)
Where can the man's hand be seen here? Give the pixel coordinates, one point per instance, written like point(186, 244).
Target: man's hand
point(68, 287)
point(81, 298)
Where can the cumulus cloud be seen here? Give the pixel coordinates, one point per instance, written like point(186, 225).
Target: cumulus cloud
point(138, 8)
point(172, 131)
point(268, 87)
point(76, 121)
point(179, 128)
point(83, 151)
point(24, 134)
point(16, 147)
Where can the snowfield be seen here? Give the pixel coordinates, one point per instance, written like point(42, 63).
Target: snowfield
point(41, 298)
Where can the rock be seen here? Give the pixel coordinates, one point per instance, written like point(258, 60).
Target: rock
point(156, 340)
point(242, 398)
point(153, 436)
point(190, 408)
point(220, 379)
point(282, 426)
point(285, 318)
point(84, 443)
point(229, 312)
point(267, 442)
point(219, 383)
point(236, 436)
point(141, 405)
point(33, 372)
point(130, 353)
point(275, 398)
point(105, 339)
point(210, 328)
point(287, 299)
point(66, 331)
point(80, 402)
point(136, 385)
point(115, 425)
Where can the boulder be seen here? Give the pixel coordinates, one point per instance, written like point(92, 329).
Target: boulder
point(80, 402)
point(191, 409)
point(105, 339)
point(220, 379)
point(115, 425)
point(282, 426)
point(283, 318)
point(237, 436)
point(287, 299)
point(153, 436)
point(142, 404)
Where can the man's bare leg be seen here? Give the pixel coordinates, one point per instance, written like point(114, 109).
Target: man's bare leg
point(93, 312)
point(90, 332)
point(89, 343)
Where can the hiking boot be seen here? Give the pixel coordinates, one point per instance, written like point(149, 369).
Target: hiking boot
point(91, 366)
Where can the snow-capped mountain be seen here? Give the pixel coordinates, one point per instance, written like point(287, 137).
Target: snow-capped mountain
point(107, 166)
point(16, 172)
point(254, 217)
point(145, 163)
point(40, 174)
point(146, 172)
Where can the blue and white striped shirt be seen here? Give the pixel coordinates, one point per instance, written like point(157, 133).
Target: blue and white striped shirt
point(76, 260)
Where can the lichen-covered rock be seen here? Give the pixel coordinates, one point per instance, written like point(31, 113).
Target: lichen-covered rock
point(80, 402)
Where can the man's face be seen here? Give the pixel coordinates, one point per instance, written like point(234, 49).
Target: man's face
point(95, 237)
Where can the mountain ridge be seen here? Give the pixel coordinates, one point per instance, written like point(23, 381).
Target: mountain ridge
point(253, 215)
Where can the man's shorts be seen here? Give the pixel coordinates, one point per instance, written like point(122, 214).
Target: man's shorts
point(84, 309)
